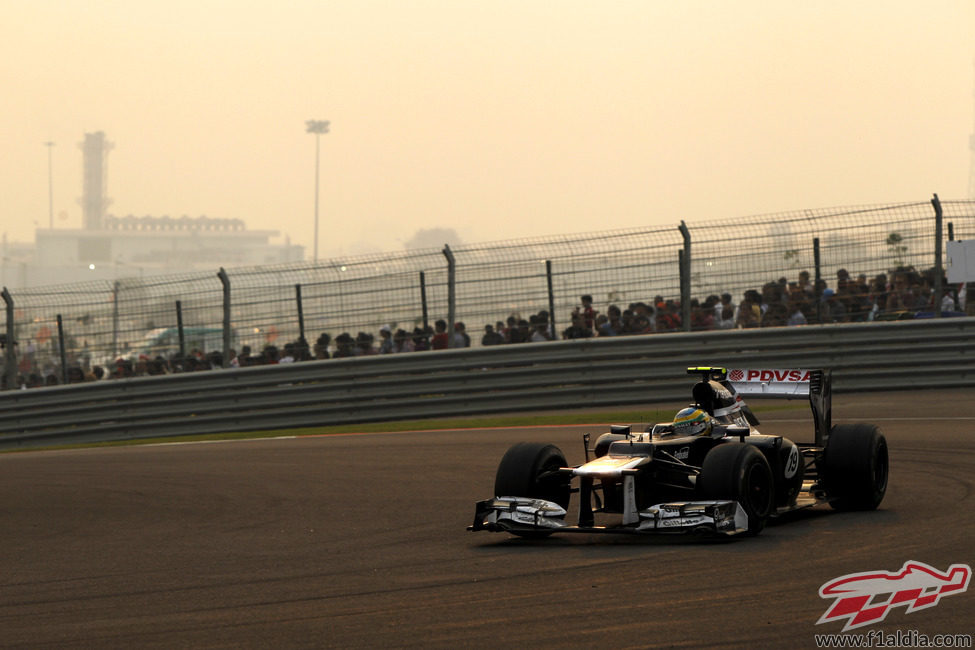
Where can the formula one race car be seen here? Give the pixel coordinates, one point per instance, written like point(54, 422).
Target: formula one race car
point(709, 471)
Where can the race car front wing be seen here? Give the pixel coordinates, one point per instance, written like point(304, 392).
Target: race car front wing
point(525, 515)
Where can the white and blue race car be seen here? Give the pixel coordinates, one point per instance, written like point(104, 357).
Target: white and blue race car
point(709, 471)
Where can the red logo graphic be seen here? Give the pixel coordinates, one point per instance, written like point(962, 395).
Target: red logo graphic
point(866, 598)
point(777, 375)
point(736, 375)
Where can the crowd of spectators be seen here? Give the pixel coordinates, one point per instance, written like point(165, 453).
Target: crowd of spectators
point(905, 293)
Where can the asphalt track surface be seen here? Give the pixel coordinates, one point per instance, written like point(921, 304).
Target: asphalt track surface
point(360, 541)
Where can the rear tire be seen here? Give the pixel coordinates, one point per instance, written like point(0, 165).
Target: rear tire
point(528, 470)
point(856, 467)
point(739, 472)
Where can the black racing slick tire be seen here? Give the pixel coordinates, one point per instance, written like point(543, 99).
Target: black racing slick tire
point(739, 472)
point(855, 467)
point(529, 469)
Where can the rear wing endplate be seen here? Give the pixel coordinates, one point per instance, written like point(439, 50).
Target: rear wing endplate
point(815, 384)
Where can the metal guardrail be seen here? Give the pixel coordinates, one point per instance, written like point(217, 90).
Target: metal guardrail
point(617, 371)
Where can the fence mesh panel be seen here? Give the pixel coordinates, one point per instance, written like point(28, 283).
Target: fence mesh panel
point(131, 316)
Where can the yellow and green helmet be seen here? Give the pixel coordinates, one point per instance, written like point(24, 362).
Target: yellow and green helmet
point(692, 422)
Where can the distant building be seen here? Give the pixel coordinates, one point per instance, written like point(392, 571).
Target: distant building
point(137, 246)
point(110, 247)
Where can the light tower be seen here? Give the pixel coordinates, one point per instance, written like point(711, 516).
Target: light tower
point(971, 146)
point(318, 127)
point(93, 200)
point(50, 186)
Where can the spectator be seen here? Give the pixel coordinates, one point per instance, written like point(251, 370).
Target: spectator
point(842, 279)
point(902, 296)
point(832, 309)
point(289, 354)
point(805, 285)
point(520, 333)
point(363, 345)
point(302, 350)
point(702, 316)
point(855, 299)
point(668, 316)
point(603, 326)
point(578, 329)
point(75, 375)
point(776, 315)
point(271, 354)
point(797, 311)
point(724, 312)
point(878, 293)
point(460, 337)
point(588, 313)
point(749, 311)
point(510, 328)
point(321, 346)
point(402, 342)
point(158, 365)
point(615, 320)
point(243, 358)
point(344, 346)
point(726, 317)
point(500, 329)
point(539, 331)
point(642, 310)
point(491, 337)
point(772, 294)
point(543, 316)
point(386, 344)
point(628, 320)
point(641, 324)
point(421, 342)
point(440, 340)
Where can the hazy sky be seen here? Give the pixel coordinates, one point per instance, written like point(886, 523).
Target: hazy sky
point(500, 119)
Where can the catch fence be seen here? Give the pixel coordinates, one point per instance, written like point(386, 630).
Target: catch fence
point(273, 305)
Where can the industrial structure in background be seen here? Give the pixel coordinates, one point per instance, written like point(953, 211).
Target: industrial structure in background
point(109, 247)
point(971, 146)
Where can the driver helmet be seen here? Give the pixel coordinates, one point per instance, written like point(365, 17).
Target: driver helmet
point(692, 422)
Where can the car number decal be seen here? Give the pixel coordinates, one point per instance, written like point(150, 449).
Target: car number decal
point(792, 464)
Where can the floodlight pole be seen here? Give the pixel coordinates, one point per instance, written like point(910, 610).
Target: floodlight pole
point(50, 186)
point(318, 127)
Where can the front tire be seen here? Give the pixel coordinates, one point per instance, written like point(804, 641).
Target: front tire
point(529, 469)
point(856, 467)
point(739, 472)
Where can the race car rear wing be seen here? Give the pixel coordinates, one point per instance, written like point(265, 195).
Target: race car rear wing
point(791, 383)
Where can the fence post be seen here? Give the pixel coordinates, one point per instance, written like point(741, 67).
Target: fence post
point(61, 353)
point(817, 286)
point(551, 299)
point(10, 354)
point(301, 313)
point(938, 256)
point(115, 290)
point(423, 300)
point(451, 292)
point(179, 329)
point(684, 261)
point(225, 280)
